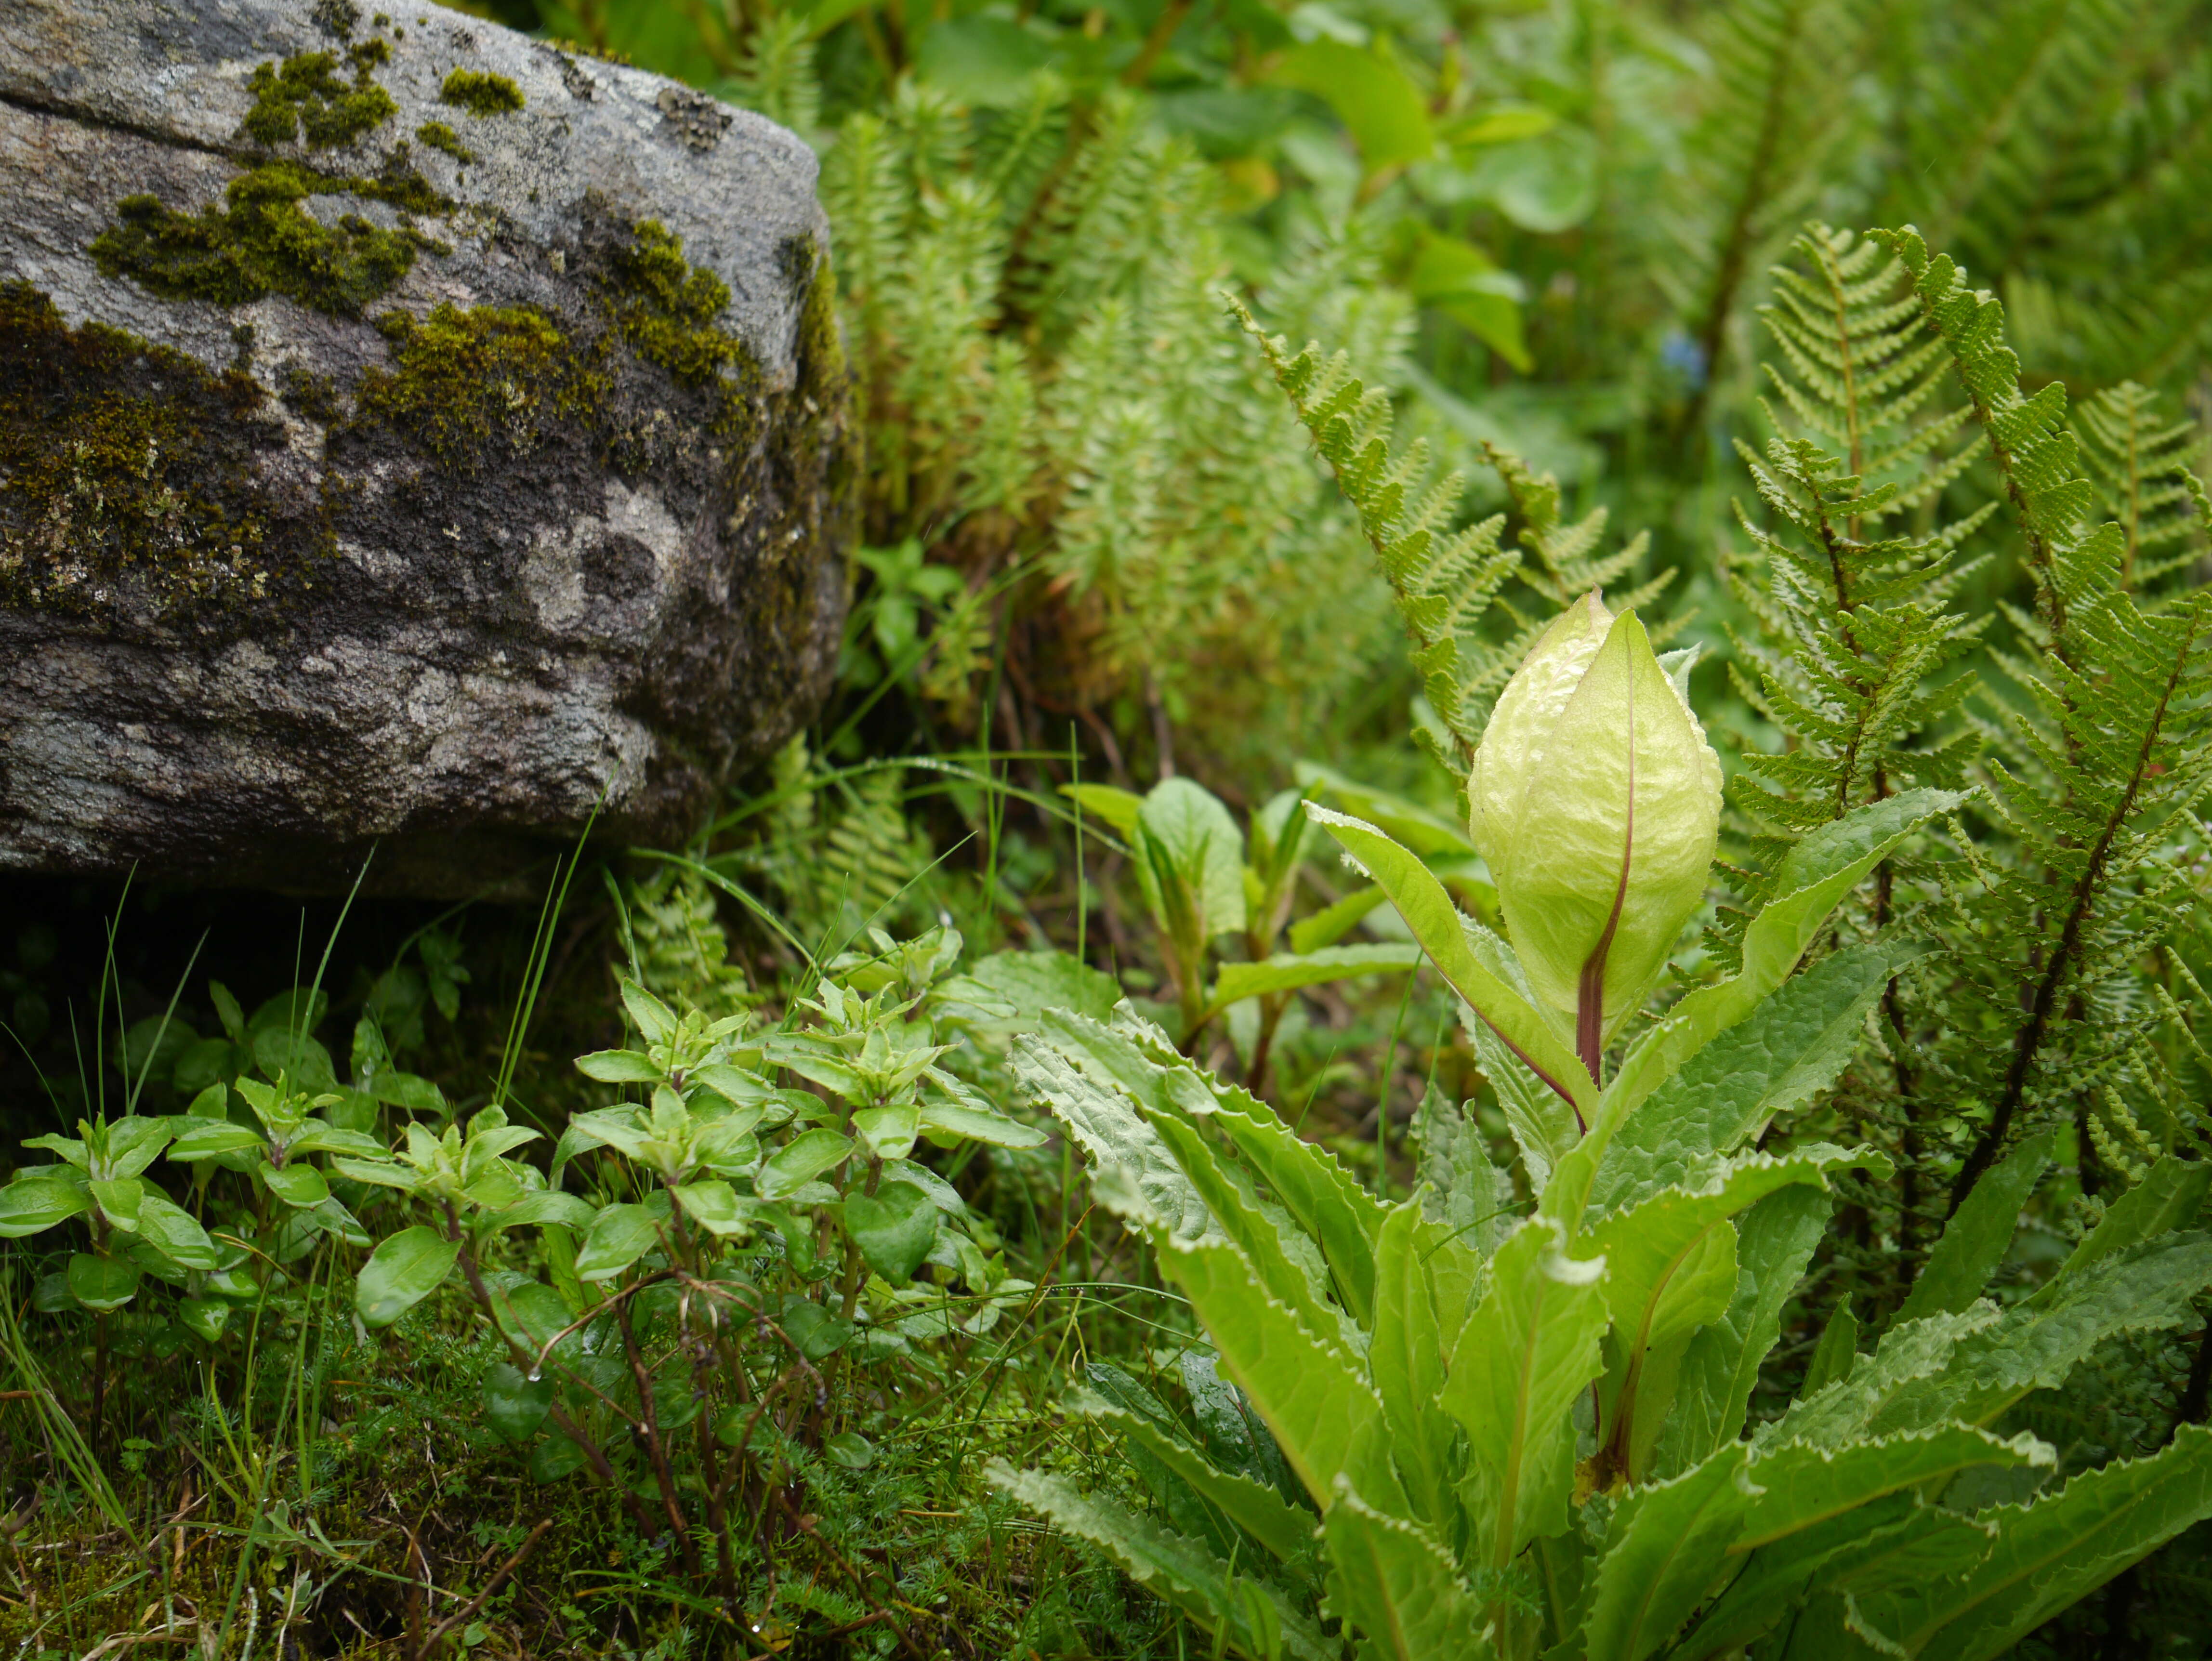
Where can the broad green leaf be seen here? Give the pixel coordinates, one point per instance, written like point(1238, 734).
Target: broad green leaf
point(119, 1201)
point(1118, 808)
point(1819, 871)
point(1183, 828)
point(102, 1285)
point(1283, 1529)
point(1286, 971)
point(1468, 1195)
point(1665, 1544)
point(2053, 1553)
point(888, 1133)
point(401, 1272)
point(203, 1138)
point(384, 1174)
point(1107, 1126)
point(895, 1229)
point(977, 1126)
point(1428, 833)
point(2035, 1345)
point(619, 1236)
point(514, 1406)
point(1395, 1583)
point(717, 1207)
point(1325, 1417)
point(619, 1066)
point(1437, 924)
point(1797, 1486)
point(319, 1138)
point(1789, 1047)
point(851, 1450)
point(32, 1204)
point(2169, 1196)
point(1405, 1358)
point(1542, 1124)
point(1379, 106)
point(1775, 1239)
point(172, 1230)
point(1179, 1571)
point(1465, 284)
point(295, 1185)
point(1528, 1350)
point(547, 1205)
point(801, 1159)
point(1979, 1232)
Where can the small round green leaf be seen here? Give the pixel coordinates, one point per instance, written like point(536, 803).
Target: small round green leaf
point(894, 1230)
point(514, 1406)
point(851, 1450)
point(102, 1284)
point(300, 1185)
point(620, 1235)
point(402, 1272)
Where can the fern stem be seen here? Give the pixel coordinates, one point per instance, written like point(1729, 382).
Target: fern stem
point(2080, 903)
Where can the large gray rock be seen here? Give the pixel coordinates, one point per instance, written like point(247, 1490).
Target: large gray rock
point(411, 434)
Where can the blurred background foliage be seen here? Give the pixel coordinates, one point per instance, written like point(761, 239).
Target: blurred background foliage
point(1548, 225)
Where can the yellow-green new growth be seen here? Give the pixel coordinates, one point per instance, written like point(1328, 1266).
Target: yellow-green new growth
point(1596, 800)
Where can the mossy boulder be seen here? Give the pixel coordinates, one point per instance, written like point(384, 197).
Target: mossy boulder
point(412, 436)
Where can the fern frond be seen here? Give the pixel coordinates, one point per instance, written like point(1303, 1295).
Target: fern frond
point(2140, 459)
point(1444, 581)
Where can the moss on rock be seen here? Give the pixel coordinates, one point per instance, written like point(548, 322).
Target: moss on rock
point(129, 473)
point(262, 241)
point(465, 381)
point(481, 94)
point(305, 95)
point(440, 136)
point(668, 311)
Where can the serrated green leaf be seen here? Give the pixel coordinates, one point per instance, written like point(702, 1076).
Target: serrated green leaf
point(1798, 1487)
point(1107, 1126)
point(1180, 1571)
point(1979, 1232)
point(1325, 1415)
point(1406, 1356)
point(2035, 1345)
point(1530, 1348)
point(1664, 1546)
point(1283, 1529)
point(2170, 1195)
point(2051, 1554)
point(1793, 1044)
point(1395, 1582)
point(1775, 1239)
